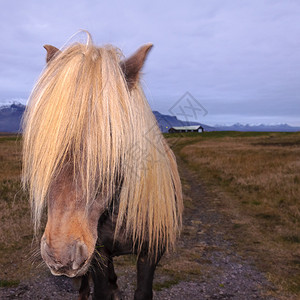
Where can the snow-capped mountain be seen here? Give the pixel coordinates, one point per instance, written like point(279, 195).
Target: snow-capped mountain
point(10, 117)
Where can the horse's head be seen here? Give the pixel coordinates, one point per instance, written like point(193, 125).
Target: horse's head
point(68, 242)
point(70, 236)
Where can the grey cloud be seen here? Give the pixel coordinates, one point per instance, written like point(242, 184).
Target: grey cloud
point(240, 57)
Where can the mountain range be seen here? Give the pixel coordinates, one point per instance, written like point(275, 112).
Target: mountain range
point(11, 115)
point(261, 127)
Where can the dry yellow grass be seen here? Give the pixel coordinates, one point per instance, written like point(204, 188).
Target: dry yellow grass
point(258, 181)
point(11, 208)
point(16, 227)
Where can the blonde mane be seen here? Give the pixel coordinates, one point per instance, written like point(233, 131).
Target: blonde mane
point(81, 112)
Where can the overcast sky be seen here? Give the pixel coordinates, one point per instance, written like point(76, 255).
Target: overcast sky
point(239, 60)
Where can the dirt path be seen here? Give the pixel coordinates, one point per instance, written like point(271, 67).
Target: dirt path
point(224, 274)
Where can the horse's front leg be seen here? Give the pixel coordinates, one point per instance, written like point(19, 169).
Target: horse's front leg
point(145, 273)
point(105, 278)
point(84, 290)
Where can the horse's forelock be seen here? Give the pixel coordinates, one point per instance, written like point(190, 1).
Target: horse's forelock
point(81, 108)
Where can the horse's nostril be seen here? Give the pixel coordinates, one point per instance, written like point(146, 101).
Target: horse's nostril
point(79, 255)
point(45, 250)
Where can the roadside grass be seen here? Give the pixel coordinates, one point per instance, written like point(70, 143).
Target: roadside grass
point(7, 283)
point(256, 176)
point(16, 236)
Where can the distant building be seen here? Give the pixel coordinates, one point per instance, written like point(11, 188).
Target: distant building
point(196, 128)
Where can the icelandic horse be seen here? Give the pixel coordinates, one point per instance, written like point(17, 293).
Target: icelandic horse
point(93, 155)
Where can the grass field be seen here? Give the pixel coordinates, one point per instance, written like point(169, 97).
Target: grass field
point(15, 229)
point(254, 175)
point(257, 178)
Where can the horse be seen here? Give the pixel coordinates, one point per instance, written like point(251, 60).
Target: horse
point(94, 157)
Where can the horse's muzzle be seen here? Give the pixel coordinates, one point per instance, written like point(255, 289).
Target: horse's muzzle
point(71, 260)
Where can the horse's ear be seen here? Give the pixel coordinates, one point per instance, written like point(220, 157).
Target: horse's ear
point(132, 66)
point(51, 51)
